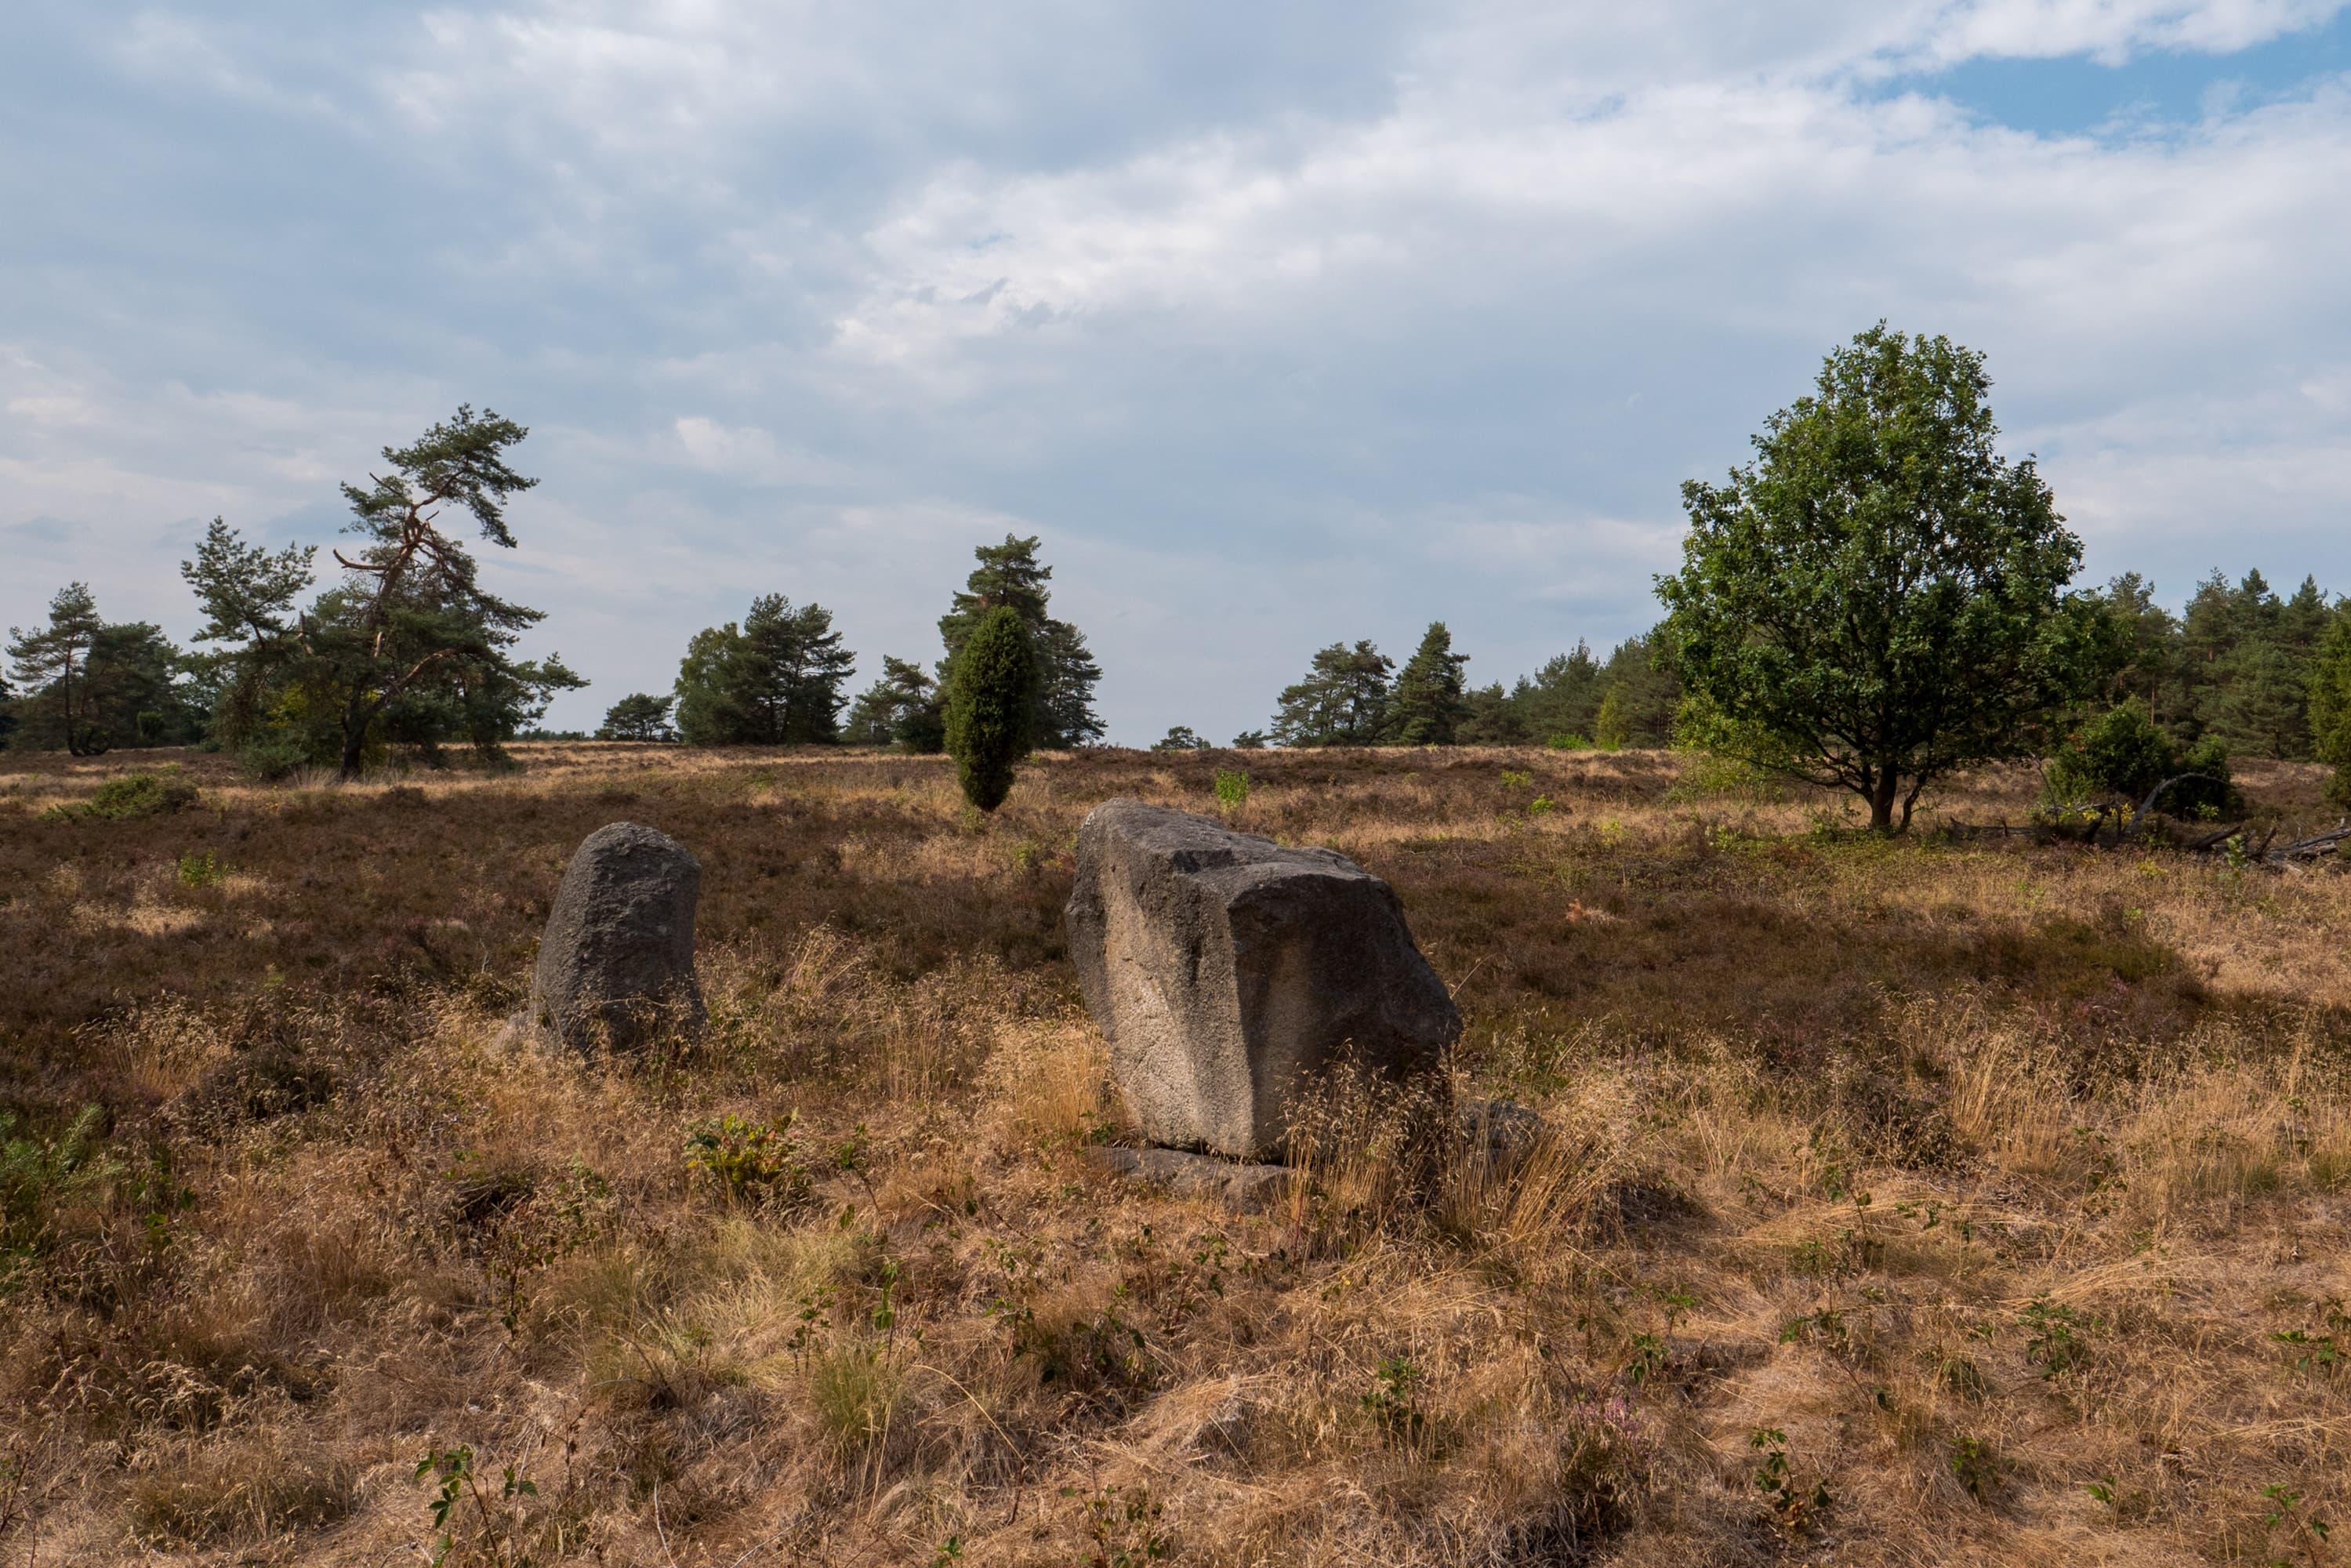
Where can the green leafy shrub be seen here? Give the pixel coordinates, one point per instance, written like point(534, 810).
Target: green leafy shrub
point(136, 795)
point(2058, 1337)
point(1232, 790)
point(200, 868)
point(1975, 1464)
point(276, 755)
point(753, 1162)
point(2123, 752)
point(1393, 1402)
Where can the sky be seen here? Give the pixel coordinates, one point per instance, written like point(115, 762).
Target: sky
point(1279, 325)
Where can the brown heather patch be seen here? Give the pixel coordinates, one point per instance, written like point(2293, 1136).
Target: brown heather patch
point(1987, 1176)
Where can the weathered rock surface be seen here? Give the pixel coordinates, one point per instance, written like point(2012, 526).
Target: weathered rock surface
point(616, 965)
point(1229, 973)
point(1245, 1188)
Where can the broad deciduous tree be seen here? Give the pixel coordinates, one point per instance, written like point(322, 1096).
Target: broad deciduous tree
point(1880, 598)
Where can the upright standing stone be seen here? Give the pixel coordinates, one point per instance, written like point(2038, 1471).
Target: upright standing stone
point(1229, 973)
point(616, 964)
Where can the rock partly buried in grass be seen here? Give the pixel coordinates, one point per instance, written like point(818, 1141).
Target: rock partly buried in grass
point(616, 965)
point(1231, 974)
point(1245, 1188)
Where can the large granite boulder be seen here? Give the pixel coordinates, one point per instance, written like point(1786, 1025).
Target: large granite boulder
point(1229, 974)
point(616, 965)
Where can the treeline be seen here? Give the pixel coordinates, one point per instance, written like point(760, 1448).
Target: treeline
point(1872, 646)
point(1353, 694)
point(779, 676)
point(2239, 666)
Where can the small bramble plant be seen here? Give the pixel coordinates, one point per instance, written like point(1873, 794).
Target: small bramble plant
point(1514, 779)
point(753, 1162)
point(499, 1525)
point(1232, 790)
point(199, 868)
point(2320, 1353)
point(2305, 1534)
point(1123, 1524)
point(813, 1329)
point(1392, 1402)
point(2060, 1336)
point(1976, 1467)
point(1673, 1301)
point(1792, 1506)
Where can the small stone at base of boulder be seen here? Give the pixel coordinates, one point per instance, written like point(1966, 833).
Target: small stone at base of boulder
point(1244, 1188)
point(1507, 1127)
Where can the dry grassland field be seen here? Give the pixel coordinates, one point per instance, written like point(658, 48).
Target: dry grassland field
point(1920, 1202)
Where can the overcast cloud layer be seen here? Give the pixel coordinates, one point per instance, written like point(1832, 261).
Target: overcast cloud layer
point(1281, 325)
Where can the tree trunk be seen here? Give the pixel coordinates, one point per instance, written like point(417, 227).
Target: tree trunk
point(355, 729)
point(1881, 803)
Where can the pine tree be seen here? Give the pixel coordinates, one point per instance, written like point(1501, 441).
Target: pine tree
point(2330, 703)
point(410, 647)
point(2147, 648)
point(1491, 719)
point(905, 708)
point(775, 680)
point(1559, 703)
point(1343, 701)
point(248, 596)
point(792, 671)
point(1010, 576)
point(991, 706)
point(60, 708)
point(1427, 706)
point(1648, 695)
point(640, 716)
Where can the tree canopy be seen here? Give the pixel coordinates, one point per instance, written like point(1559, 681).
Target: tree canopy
point(1343, 701)
point(641, 716)
point(1428, 706)
point(775, 680)
point(1010, 576)
point(1880, 598)
point(408, 649)
point(90, 685)
point(902, 708)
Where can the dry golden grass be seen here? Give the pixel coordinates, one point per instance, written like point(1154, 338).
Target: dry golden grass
point(1998, 1181)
